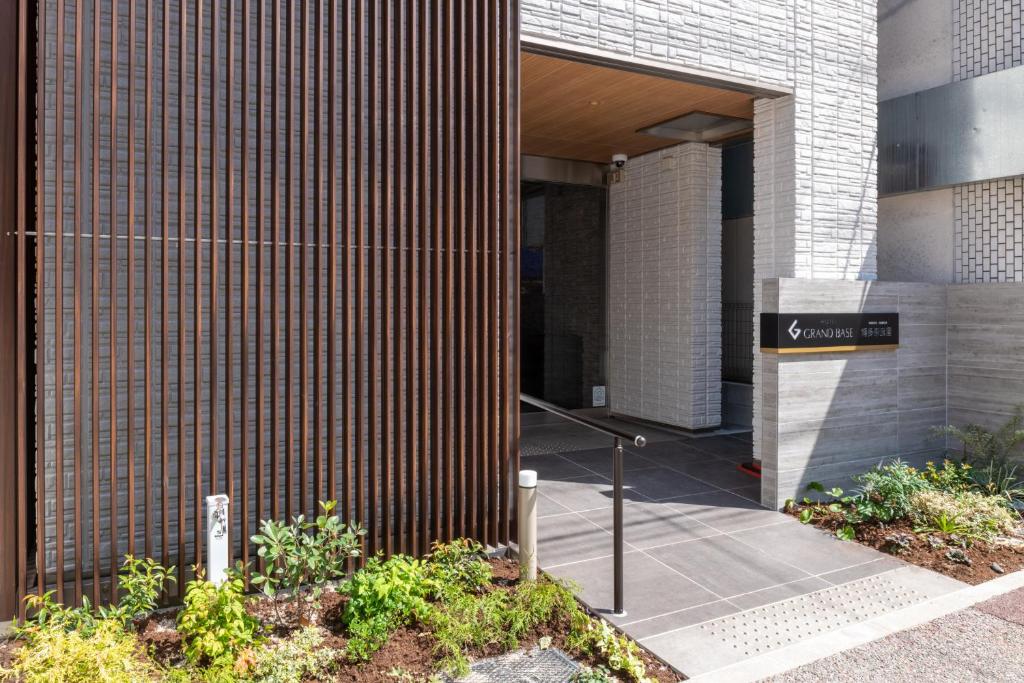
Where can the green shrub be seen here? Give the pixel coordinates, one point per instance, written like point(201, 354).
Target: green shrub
point(500, 618)
point(106, 654)
point(300, 657)
point(384, 595)
point(967, 514)
point(50, 615)
point(142, 582)
point(886, 491)
point(214, 623)
point(304, 553)
point(979, 445)
point(952, 477)
point(999, 478)
point(458, 566)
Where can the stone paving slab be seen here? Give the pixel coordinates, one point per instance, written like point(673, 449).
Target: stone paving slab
point(707, 569)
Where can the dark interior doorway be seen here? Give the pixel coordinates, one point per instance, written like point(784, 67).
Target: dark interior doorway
point(562, 297)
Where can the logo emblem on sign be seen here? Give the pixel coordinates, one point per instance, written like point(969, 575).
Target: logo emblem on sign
point(794, 331)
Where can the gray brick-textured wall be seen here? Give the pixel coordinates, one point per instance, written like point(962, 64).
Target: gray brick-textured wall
point(838, 414)
point(988, 217)
point(665, 271)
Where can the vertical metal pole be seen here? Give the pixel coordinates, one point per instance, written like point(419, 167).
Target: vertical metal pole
point(528, 525)
point(617, 524)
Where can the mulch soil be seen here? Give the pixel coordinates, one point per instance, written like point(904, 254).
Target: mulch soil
point(408, 650)
point(923, 553)
point(7, 650)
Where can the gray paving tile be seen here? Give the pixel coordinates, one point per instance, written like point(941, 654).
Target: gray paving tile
point(553, 467)
point(728, 512)
point(571, 538)
point(650, 524)
point(585, 493)
point(859, 571)
point(659, 482)
point(725, 566)
point(726, 447)
point(651, 589)
point(546, 506)
point(776, 593)
point(807, 547)
point(599, 460)
point(692, 656)
point(671, 453)
point(751, 492)
point(720, 473)
point(679, 619)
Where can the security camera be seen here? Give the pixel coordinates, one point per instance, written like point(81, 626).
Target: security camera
point(619, 160)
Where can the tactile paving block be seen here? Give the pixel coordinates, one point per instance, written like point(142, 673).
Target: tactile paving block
point(533, 666)
point(782, 623)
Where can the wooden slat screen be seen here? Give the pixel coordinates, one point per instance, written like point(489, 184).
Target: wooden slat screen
point(274, 255)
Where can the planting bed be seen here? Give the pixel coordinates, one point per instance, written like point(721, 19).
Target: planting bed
point(408, 650)
point(409, 653)
point(929, 554)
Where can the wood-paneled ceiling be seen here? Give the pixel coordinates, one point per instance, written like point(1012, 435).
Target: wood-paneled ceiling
point(572, 110)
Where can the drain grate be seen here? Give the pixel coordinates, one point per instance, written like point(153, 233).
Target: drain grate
point(767, 628)
point(533, 666)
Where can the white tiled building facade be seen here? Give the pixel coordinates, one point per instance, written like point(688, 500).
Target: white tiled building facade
point(988, 217)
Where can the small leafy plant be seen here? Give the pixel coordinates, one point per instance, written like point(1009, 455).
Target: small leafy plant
point(622, 654)
point(300, 657)
point(458, 566)
point(898, 544)
point(958, 556)
point(597, 674)
point(49, 615)
point(384, 595)
point(304, 553)
point(142, 582)
point(214, 623)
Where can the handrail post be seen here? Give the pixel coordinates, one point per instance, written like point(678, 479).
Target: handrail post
point(617, 526)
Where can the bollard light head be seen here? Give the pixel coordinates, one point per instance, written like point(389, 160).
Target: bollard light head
point(528, 479)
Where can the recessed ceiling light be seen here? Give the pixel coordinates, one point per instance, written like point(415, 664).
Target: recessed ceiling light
point(594, 103)
point(699, 126)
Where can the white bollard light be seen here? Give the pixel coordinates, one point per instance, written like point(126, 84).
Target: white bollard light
point(528, 525)
point(217, 551)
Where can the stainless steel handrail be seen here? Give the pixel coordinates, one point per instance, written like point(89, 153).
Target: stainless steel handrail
point(617, 482)
point(636, 439)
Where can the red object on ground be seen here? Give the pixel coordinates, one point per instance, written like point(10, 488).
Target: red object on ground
point(753, 468)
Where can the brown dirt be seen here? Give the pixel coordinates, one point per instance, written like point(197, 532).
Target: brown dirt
point(408, 650)
point(921, 552)
point(8, 648)
point(504, 572)
point(161, 639)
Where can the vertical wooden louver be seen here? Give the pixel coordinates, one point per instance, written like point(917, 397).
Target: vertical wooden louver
point(270, 250)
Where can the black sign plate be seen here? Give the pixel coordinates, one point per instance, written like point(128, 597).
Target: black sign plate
point(811, 332)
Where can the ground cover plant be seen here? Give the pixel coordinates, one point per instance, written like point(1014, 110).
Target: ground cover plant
point(313, 619)
point(962, 517)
